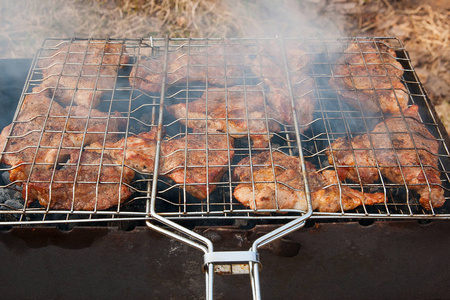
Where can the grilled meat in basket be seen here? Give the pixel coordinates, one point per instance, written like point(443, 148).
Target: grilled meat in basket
point(239, 111)
point(274, 181)
point(82, 71)
point(368, 77)
point(87, 181)
point(229, 97)
point(401, 148)
point(219, 65)
point(44, 133)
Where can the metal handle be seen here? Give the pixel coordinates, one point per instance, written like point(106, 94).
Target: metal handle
point(250, 258)
point(211, 258)
point(231, 257)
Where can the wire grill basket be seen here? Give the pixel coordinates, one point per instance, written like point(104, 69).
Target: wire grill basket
point(122, 104)
point(167, 130)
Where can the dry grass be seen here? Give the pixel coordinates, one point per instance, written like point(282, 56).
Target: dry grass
point(423, 26)
point(425, 31)
point(24, 24)
point(183, 18)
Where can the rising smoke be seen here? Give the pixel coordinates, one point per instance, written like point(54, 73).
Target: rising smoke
point(25, 24)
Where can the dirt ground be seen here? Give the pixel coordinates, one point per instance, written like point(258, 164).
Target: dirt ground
point(423, 26)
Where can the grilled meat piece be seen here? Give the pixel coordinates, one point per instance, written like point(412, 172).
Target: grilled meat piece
point(269, 67)
point(353, 159)
point(239, 111)
point(216, 65)
point(137, 151)
point(198, 171)
point(275, 181)
point(82, 71)
point(367, 77)
point(271, 181)
point(88, 181)
point(304, 102)
point(46, 140)
point(22, 144)
point(334, 198)
point(197, 161)
point(403, 149)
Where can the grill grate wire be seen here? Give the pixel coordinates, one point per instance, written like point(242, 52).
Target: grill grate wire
point(141, 111)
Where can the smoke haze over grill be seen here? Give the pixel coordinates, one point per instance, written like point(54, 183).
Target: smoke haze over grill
point(25, 24)
point(422, 25)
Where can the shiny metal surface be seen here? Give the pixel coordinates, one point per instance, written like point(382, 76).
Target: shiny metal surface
point(384, 260)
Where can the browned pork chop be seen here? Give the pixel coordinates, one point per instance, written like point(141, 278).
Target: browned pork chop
point(239, 111)
point(368, 77)
point(82, 71)
point(44, 133)
point(136, 151)
point(215, 64)
point(273, 180)
point(401, 148)
point(90, 181)
point(198, 161)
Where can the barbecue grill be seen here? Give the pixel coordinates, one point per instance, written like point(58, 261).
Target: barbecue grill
point(167, 206)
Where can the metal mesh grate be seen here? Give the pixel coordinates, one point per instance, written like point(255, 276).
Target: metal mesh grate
point(337, 119)
point(112, 112)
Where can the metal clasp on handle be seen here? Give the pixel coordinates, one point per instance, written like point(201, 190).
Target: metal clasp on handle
point(231, 262)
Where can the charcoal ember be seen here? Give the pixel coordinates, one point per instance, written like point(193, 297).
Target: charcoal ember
point(13, 189)
point(9, 194)
point(11, 204)
point(4, 195)
point(10, 198)
point(5, 178)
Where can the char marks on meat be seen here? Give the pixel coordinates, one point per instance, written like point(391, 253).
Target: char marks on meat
point(367, 77)
point(218, 65)
point(197, 162)
point(82, 71)
point(274, 180)
point(137, 152)
point(269, 67)
point(401, 148)
point(271, 181)
point(201, 167)
point(68, 155)
point(44, 133)
point(239, 111)
point(88, 181)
